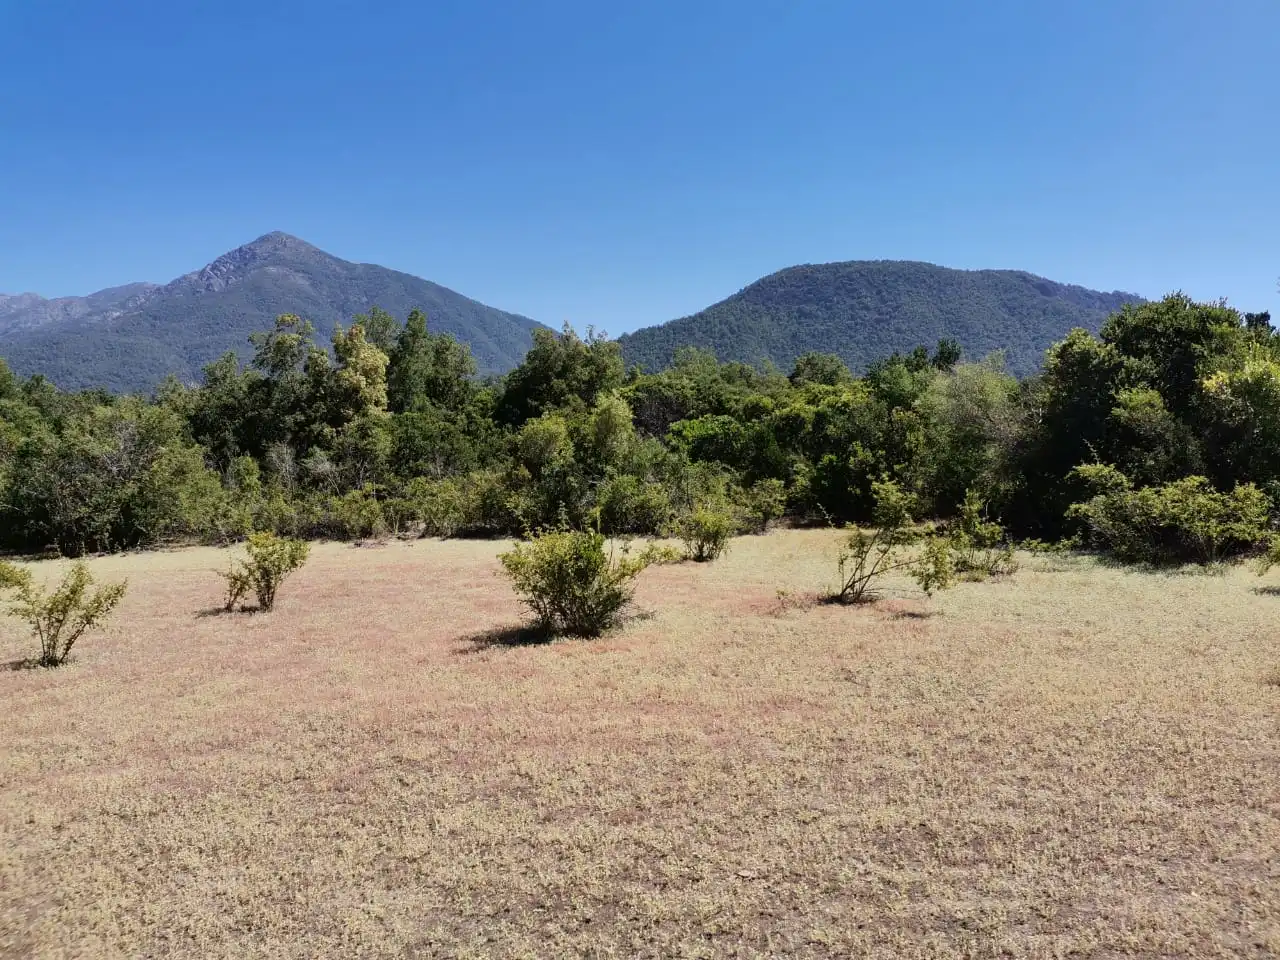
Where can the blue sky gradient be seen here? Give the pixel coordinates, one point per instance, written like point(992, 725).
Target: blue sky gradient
point(624, 164)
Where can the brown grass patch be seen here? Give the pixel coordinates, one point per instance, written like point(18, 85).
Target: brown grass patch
point(1078, 761)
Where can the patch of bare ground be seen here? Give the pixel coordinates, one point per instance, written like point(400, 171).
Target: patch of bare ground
point(1076, 762)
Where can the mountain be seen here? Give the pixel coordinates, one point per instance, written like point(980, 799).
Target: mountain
point(28, 311)
point(129, 338)
point(865, 310)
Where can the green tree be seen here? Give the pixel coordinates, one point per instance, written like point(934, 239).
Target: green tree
point(428, 370)
point(823, 368)
point(560, 372)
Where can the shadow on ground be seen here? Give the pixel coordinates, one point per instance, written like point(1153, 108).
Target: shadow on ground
point(224, 612)
point(522, 635)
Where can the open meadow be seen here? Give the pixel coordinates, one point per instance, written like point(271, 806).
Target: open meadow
point(1077, 761)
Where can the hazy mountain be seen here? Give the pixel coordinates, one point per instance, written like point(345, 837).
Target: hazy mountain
point(129, 338)
point(865, 310)
point(28, 311)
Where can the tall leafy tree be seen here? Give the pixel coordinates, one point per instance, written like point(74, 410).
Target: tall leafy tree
point(428, 369)
point(562, 371)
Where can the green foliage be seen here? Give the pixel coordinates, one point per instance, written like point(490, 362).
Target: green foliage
point(1270, 556)
point(867, 557)
point(706, 532)
point(428, 370)
point(571, 582)
point(112, 477)
point(840, 309)
point(543, 444)
point(1186, 521)
point(625, 504)
point(762, 503)
point(822, 368)
point(182, 327)
point(58, 619)
point(390, 431)
point(978, 546)
point(269, 561)
point(356, 515)
point(560, 372)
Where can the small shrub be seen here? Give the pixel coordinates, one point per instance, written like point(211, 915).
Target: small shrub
point(571, 583)
point(762, 503)
point(1186, 521)
point(270, 561)
point(867, 557)
point(59, 619)
point(660, 555)
point(705, 532)
point(978, 546)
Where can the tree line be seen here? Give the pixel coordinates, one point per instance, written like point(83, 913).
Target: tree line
point(1164, 427)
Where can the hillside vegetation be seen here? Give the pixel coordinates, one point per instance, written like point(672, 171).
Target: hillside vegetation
point(131, 338)
point(1158, 439)
point(862, 311)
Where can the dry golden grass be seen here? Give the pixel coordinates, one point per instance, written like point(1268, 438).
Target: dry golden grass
point(1079, 762)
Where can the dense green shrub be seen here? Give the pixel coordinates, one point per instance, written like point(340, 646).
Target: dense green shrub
point(488, 506)
point(1186, 521)
point(625, 504)
point(571, 582)
point(867, 557)
point(706, 532)
point(356, 515)
point(58, 619)
point(438, 505)
point(270, 560)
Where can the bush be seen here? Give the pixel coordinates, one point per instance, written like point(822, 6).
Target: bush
point(978, 546)
point(1186, 521)
point(571, 583)
point(442, 507)
point(867, 557)
point(356, 515)
point(705, 533)
point(59, 619)
point(487, 505)
point(626, 504)
point(270, 561)
point(762, 503)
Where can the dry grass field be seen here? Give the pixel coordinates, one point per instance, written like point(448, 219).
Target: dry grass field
point(1079, 762)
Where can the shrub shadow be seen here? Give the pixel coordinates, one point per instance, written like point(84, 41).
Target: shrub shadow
point(913, 614)
point(835, 600)
point(224, 612)
point(1216, 568)
point(510, 636)
point(27, 663)
point(1267, 591)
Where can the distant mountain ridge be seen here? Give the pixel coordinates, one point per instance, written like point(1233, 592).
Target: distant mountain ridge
point(129, 338)
point(864, 310)
point(29, 311)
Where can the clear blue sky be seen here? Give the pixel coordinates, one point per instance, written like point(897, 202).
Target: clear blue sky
point(626, 163)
